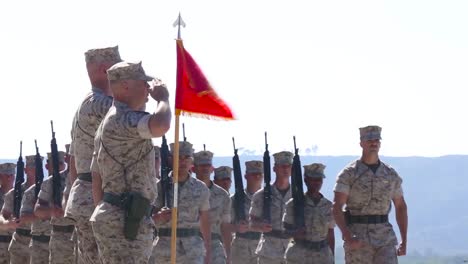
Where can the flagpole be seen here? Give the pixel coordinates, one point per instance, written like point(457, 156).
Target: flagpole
point(175, 177)
point(175, 167)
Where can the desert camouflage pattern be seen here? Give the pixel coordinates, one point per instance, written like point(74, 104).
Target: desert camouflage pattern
point(19, 245)
point(8, 168)
point(223, 172)
point(61, 243)
point(370, 132)
point(370, 194)
point(220, 212)
point(318, 220)
point(283, 157)
point(4, 255)
point(124, 158)
point(80, 203)
point(271, 248)
point(103, 55)
point(242, 249)
point(194, 197)
point(127, 71)
point(39, 252)
point(203, 157)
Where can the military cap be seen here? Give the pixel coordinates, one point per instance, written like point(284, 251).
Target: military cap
point(185, 148)
point(254, 166)
point(314, 170)
point(283, 157)
point(31, 161)
point(127, 71)
point(7, 168)
point(222, 172)
point(110, 55)
point(61, 156)
point(157, 152)
point(370, 132)
point(203, 157)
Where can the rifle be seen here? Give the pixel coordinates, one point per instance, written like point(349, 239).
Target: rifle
point(267, 180)
point(39, 171)
point(18, 182)
point(297, 189)
point(239, 195)
point(56, 181)
point(165, 169)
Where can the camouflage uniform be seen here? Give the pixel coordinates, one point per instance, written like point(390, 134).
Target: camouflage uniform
point(271, 249)
point(89, 115)
point(124, 158)
point(19, 245)
point(318, 220)
point(193, 197)
point(370, 194)
point(220, 212)
point(61, 242)
point(40, 229)
point(5, 235)
point(243, 249)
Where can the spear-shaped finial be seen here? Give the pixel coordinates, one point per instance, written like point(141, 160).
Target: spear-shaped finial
point(21, 149)
point(179, 22)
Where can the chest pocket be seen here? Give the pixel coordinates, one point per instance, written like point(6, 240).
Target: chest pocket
point(383, 189)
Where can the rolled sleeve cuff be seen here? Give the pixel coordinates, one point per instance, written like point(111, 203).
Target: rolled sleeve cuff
point(342, 188)
point(143, 127)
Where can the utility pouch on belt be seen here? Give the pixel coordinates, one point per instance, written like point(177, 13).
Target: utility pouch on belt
point(136, 208)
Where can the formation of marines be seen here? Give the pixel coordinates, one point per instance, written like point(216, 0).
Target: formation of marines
point(116, 202)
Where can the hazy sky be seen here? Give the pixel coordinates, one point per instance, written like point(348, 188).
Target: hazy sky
point(314, 69)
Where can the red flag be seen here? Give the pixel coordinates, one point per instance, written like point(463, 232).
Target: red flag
point(194, 94)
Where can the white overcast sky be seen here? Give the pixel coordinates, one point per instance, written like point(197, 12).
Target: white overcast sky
point(314, 69)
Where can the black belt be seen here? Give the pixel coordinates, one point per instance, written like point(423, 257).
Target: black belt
point(5, 239)
point(249, 235)
point(115, 200)
point(41, 238)
point(366, 219)
point(23, 232)
point(181, 232)
point(63, 229)
point(85, 176)
point(313, 245)
point(276, 234)
point(214, 236)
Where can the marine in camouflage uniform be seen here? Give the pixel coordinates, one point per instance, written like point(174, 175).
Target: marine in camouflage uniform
point(314, 243)
point(61, 243)
point(273, 242)
point(40, 228)
point(123, 162)
point(19, 245)
point(220, 206)
point(367, 187)
point(245, 241)
point(192, 218)
point(7, 173)
point(89, 115)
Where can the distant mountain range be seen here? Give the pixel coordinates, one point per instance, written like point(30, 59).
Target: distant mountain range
point(436, 191)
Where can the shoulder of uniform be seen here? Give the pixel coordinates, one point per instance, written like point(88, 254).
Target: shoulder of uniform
point(220, 190)
point(10, 191)
point(389, 168)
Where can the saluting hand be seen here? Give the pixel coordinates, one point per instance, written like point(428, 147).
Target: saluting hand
point(158, 90)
